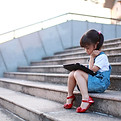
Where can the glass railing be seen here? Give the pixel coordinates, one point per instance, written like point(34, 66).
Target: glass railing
point(54, 21)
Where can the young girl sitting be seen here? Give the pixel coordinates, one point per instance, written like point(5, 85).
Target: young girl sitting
point(92, 42)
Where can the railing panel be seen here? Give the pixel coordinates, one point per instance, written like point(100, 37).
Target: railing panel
point(3, 67)
point(32, 47)
point(79, 28)
point(96, 26)
point(118, 31)
point(109, 31)
point(51, 40)
point(65, 32)
point(13, 55)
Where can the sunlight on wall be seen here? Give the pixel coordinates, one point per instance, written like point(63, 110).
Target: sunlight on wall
point(23, 13)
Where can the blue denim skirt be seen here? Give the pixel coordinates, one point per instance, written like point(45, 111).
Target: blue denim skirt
point(100, 82)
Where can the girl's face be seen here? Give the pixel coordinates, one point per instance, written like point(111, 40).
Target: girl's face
point(89, 49)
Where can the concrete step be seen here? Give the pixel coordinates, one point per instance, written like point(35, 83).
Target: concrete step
point(43, 69)
point(116, 69)
point(107, 44)
point(116, 50)
point(112, 45)
point(6, 115)
point(28, 107)
point(113, 58)
point(41, 77)
point(38, 109)
point(79, 49)
point(104, 102)
point(56, 78)
point(115, 82)
point(115, 40)
point(61, 61)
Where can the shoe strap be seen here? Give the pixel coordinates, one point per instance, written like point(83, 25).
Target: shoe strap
point(90, 100)
point(71, 97)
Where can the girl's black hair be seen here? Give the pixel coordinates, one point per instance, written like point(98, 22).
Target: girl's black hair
point(92, 37)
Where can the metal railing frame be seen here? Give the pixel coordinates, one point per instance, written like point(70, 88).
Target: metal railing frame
point(117, 22)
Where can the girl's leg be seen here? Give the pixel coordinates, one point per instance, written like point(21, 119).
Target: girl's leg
point(71, 85)
point(81, 79)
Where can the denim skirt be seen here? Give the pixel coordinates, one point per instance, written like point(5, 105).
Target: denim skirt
point(100, 82)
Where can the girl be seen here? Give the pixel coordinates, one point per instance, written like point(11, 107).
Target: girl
point(92, 42)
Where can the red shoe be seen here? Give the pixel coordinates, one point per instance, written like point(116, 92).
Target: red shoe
point(68, 106)
point(80, 110)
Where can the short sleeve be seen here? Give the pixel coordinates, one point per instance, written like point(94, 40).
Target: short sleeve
point(102, 62)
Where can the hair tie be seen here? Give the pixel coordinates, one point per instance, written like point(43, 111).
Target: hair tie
point(99, 32)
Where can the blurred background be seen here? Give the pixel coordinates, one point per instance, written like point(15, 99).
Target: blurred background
point(19, 13)
point(31, 29)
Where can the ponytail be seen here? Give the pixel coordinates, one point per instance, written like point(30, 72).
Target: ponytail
point(101, 40)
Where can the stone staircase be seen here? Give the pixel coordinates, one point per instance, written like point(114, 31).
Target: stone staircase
point(38, 92)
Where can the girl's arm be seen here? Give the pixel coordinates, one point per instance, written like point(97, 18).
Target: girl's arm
point(91, 61)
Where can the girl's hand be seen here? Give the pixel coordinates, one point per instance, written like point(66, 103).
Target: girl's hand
point(95, 53)
point(91, 61)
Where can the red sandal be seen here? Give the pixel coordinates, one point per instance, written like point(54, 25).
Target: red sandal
point(80, 110)
point(68, 106)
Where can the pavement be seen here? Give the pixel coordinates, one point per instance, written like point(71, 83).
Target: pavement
point(5, 115)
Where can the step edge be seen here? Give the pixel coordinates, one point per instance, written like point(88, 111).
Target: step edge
point(95, 95)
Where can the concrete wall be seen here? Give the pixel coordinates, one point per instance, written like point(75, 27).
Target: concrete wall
point(32, 47)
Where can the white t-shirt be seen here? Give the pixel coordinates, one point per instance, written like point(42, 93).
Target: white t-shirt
point(102, 62)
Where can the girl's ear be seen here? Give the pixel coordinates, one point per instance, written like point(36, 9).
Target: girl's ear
point(97, 46)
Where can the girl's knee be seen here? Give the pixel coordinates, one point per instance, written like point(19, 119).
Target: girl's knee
point(71, 74)
point(77, 73)
point(80, 74)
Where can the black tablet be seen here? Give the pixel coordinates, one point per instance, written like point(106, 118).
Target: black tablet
point(78, 66)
